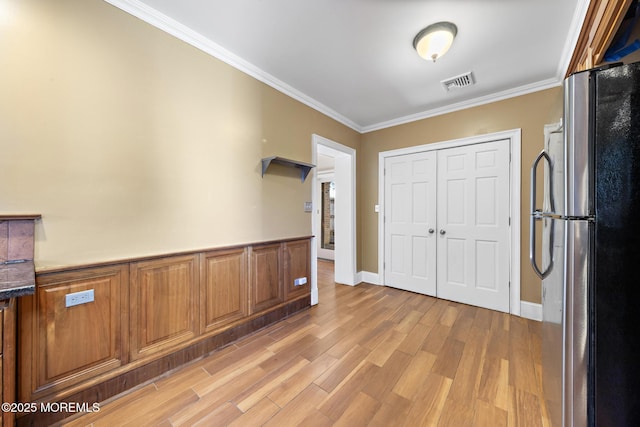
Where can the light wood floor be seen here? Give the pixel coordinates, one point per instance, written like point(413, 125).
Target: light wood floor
point(365, 356)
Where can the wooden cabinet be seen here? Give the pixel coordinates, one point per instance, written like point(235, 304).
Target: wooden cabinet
point(224, 288)
point(163, 304)
point(266, 276)
point(297, 265)
point(69, 344)
point(148, 316)
point(3, 385)
point(17, 279)
point(8, 360)
point(600, 26)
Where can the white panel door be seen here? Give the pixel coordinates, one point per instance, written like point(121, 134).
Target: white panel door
point(473, 225)
point(410, 222)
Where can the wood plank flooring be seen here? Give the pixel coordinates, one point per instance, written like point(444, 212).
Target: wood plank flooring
point(365, 356)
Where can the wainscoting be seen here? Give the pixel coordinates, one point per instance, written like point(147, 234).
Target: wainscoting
point(149, 316)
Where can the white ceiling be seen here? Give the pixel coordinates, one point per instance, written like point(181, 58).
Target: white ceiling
point(354, 60)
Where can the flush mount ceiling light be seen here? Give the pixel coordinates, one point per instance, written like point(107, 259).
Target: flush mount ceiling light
point(435, 40)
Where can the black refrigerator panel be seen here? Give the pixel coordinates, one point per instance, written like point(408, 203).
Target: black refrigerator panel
point(615, 295)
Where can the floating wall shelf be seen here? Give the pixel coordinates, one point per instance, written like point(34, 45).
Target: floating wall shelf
point(305, 168)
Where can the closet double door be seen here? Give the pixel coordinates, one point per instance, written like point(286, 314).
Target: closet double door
point(447, 223)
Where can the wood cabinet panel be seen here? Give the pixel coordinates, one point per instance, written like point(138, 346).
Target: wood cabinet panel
point(266, 276)
point(601, 22)
point(78, 342)
point(5, 415)
point(163, 303)
point(148, 316)
point(8, 359)
point(223, 287)
point(297, 264)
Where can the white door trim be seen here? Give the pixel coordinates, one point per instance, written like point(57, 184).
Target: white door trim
point(514, 137)
point(345, 221)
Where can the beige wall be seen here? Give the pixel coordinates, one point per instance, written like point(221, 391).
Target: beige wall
point(528, 112)
point(130, 142)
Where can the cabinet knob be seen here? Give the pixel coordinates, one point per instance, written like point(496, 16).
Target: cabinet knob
point(431, 230)
point(443, 232)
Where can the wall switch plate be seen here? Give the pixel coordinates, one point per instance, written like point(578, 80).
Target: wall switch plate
point(376, 208)
point(300, 281)
point(308, 206)
point(78, 298)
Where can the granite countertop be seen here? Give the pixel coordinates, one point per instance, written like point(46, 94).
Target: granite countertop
point(17, 279)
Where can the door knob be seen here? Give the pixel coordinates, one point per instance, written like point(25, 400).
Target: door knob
point(442, 232)
point(431, 230)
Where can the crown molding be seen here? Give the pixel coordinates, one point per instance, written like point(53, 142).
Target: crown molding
point(171, 26)
point(575, 28)
point(475, 102)
point(197, 40)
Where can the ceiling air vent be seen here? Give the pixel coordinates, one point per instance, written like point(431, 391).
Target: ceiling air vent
point(463, 80)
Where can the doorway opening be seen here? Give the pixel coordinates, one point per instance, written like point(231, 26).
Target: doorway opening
point(327, 241)
point(344, 211)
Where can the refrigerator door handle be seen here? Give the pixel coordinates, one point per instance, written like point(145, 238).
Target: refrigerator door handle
point(535, 215)
point(532, 250)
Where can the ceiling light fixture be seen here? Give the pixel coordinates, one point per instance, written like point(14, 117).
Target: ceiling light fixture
point(435, 40)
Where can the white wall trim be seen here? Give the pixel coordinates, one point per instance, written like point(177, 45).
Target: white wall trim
point(530, 310)
point(516, 202)
point(569, 47)
point(197, 40)
point(182, 32)
point(368, 277)
point(475, 102)
point(515, 139)
point(325, 176)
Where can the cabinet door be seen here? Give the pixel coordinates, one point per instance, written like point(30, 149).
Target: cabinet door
point(266, 276)
point(163, 304)
point(599, 29)
point(296, 266)
point(224, 285)
point(76, 342)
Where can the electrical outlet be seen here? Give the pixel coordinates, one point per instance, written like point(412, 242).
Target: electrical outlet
point(300, 281)
point(78, 298)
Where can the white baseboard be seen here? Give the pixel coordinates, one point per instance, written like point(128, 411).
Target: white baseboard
point(359, 278)
point(369, 277)
point(530, 310)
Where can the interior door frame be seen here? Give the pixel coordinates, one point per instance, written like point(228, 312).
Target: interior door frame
point(345, 218)
point(323, 177)
point(515, 137)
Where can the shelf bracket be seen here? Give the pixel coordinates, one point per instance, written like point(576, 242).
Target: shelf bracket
point(305, 168)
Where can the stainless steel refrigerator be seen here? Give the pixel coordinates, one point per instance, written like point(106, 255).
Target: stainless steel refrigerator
point(588, 255)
